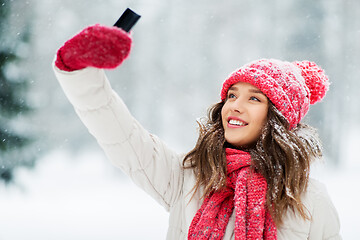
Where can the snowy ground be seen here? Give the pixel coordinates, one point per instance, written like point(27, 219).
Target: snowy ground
point(87, 198)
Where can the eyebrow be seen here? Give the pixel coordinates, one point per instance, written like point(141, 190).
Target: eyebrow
point(256, 91)
point(233, 88)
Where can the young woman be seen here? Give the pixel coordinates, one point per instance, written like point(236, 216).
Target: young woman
point(248, 175)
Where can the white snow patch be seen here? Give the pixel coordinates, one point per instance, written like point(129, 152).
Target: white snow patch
point(82, 198)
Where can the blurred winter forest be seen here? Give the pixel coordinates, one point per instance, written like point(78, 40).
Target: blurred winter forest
point(182, 52)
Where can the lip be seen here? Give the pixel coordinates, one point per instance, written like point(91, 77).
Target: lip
point(235, 118)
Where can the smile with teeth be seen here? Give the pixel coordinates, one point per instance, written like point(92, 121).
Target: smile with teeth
point(237, 122)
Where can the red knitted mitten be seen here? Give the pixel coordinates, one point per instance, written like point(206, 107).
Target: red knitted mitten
point(95, 46)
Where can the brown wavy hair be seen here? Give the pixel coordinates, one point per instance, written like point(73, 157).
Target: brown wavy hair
point(281, 155)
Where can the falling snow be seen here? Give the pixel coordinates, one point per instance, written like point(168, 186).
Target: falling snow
point(183, 50)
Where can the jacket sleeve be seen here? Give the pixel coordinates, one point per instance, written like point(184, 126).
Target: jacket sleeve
point(141, 155)
point(325, 223)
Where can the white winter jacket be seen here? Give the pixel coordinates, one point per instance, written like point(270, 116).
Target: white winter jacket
point(158, 170)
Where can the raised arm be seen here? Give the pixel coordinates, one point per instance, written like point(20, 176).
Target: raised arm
point(79, 68)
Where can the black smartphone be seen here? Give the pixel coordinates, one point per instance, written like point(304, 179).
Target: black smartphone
point(127, 20)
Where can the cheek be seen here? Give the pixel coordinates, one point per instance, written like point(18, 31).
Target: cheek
point(259, 116)
point(223, 114)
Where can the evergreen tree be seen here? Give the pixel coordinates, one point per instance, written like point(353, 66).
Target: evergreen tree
point(13, 141)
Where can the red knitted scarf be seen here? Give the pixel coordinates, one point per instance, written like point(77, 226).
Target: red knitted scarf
point(246, 191)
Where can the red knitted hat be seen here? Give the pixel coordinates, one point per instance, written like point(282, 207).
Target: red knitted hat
point(291, 87)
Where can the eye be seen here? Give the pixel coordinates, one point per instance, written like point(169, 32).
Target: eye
point(231, 95)
point(255, 99)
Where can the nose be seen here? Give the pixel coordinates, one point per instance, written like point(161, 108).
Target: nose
point(238, 105)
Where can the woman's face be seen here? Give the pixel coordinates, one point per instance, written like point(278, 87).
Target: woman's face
point(244, 114)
